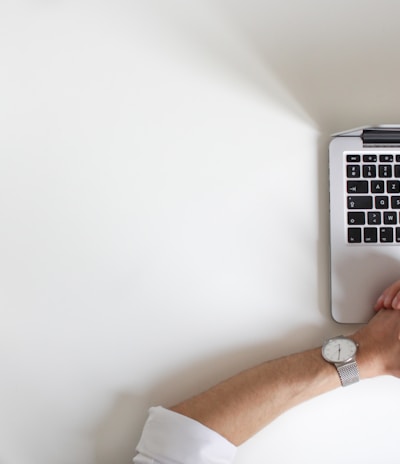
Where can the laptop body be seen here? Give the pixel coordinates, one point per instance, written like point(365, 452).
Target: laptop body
point(364, 184)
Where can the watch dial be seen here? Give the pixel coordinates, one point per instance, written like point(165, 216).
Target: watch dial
point(339, 350)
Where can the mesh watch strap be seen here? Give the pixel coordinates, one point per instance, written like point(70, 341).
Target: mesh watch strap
point(348, 373)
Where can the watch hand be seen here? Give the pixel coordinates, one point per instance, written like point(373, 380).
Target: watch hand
point(339, 352)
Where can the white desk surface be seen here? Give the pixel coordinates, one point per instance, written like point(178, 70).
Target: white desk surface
point(163, 204)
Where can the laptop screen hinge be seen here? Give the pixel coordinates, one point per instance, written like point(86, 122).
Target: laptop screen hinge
point(381, 138)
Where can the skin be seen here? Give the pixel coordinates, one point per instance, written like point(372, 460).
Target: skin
point(390, 297)
point(242, 405)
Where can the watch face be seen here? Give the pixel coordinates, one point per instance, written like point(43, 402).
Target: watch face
point(339, 350)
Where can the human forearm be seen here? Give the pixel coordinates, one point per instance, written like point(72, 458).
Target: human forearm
point(247, 402)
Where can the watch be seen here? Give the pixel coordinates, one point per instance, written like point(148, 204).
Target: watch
point(341, 352)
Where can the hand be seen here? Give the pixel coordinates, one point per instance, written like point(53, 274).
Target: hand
point(390, 298)
point(379, 343)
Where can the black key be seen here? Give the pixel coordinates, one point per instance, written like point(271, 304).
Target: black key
point(395, 202)
point(381, 202)
point(355, 218)
point(393, 186)
point(369, 170)
point(374, 217)
point(353, 170)
point(361, 202)
point(397, 170)
point(398, 232)
point(389, 217)
point(377, 186)
point(386, 234)
point(369, 158)
point(370, 235)
point(353, 158)
point(397, 158)
point(357, 186)
point(386, 158)
point(385, 170)
point(354, 235)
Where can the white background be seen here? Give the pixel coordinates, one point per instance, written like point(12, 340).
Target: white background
point(163, 205)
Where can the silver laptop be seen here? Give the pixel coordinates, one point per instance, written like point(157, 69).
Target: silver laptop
point(364, 178)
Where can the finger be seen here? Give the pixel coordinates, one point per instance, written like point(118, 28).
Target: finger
point(396, 301)
point(379, 302)
point(390, 297)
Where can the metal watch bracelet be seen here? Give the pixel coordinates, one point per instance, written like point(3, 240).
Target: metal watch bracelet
point(348, 373)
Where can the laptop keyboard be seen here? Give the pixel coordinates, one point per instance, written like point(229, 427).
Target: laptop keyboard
point(373, 198)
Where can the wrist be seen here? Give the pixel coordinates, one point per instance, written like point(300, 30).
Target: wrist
point(368, 356)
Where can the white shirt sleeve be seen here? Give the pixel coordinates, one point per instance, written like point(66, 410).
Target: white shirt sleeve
point(171, 438)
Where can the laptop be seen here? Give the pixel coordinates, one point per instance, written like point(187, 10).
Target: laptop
point(364, 184)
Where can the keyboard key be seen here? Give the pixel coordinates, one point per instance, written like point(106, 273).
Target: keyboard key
point(385, 170)
point(370, 235)
point(374, 217)
point(398, 234)
point(355, 218)
point(354, 235)
point(370, 158)
point(381, 202)
point(360, 202)
point(357, 186)
point(397, 170)
point(369, 170)
point(386, 158)
point(386, 234)
point(353, 158)
point(393, 186)
point(389, 217)
point(377, 186)
point(395, 202)
point(353, 170)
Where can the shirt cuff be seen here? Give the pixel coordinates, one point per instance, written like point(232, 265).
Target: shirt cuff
point(169, 437)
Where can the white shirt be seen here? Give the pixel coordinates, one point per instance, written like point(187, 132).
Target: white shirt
point(171, 438)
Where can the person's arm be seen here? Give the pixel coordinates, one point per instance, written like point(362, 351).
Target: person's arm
point(247, 402)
